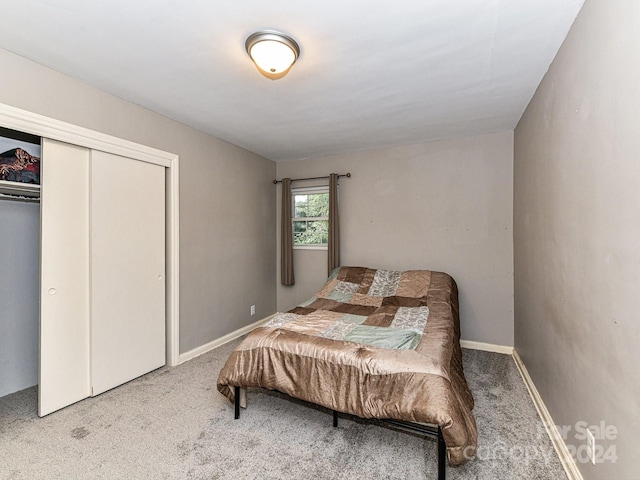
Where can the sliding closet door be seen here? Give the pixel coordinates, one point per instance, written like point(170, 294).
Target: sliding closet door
point(127, 269)
point(64, 276)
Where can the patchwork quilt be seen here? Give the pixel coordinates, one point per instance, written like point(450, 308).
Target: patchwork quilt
point(371, 307)
point(372, 343)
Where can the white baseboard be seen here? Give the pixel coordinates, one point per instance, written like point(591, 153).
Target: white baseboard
point(196, 352)
point(487, 347)
point(568, 462)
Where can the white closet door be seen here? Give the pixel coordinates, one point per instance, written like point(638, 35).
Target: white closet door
point(127, 269)
point(64, 277)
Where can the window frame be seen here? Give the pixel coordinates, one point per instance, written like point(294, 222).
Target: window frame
point(307, 191)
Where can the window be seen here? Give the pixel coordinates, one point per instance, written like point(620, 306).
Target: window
point(310, 217)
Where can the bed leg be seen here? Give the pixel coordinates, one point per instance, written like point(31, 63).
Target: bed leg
point(243, 397)
point(236, 395)
point(442, 455)
point(335, 419)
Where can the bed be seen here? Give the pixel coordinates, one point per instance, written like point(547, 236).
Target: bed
point(376, 344)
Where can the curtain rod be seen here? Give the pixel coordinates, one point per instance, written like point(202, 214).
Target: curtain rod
point(348, 175)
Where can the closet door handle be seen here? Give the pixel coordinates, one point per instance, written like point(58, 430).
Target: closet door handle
point(159, 277)
point(51, 291)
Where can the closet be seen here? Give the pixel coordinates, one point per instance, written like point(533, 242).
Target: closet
point(103, 262)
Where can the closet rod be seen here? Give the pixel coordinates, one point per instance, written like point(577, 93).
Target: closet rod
point(19, 198)
point(348, 175)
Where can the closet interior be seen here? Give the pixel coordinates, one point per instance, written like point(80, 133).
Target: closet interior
point(19, 261)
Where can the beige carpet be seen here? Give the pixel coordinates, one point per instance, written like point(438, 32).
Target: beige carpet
point(173, 424)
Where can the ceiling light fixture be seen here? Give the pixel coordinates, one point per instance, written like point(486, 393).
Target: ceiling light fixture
point(273, 52)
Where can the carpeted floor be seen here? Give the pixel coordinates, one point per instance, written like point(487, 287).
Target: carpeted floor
point(173, 424)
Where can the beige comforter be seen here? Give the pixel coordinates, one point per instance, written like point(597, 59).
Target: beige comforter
point(372, 343)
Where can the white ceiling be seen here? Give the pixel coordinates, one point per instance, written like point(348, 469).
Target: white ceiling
point(370, 74)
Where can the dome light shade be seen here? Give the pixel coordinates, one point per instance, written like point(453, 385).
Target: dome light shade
point(273, 52)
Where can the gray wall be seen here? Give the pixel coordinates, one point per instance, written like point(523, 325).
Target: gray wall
point(227, 202)
point(443, 205)
point(577, 230)
point(19, 294)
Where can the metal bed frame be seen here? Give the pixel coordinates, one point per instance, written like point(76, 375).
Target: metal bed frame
point(433, 431)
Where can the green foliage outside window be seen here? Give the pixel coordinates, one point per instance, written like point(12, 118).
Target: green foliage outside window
point(311, 219)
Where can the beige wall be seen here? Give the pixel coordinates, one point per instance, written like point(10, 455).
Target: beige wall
point(577, 231)
point(227, 202)
point(443, 205)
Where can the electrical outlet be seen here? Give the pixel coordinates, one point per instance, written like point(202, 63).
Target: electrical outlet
point(253, 309)
point(591, 446)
